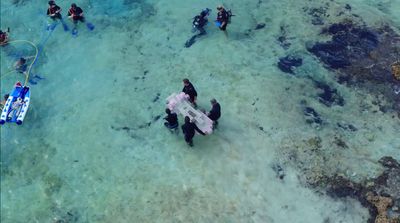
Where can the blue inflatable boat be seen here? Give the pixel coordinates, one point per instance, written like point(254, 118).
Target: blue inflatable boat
point(16, 105)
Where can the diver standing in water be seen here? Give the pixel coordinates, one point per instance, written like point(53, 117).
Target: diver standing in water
point(215, 112)
point(189, 129)
point(76, 14)
point(171, 120)
point(3, 38)
point(222, 18)
point(199, 22)
point(189, 89)
point(54, 11)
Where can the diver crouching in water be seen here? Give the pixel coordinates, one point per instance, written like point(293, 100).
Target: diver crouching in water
point(199, 22)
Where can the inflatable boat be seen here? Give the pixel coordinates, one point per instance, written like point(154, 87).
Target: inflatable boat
point(16, 105)
point(179, 104)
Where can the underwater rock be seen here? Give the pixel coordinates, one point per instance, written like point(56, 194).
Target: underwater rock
point(126, 128)
point(340, 143)
point(317, 15)
point(347, 127)
point(312, 117)
point(377, 194)
point(389, 162)
point(288, 63)
point(329, 96)
point(348, 42)
point(363, 56)
point(339, 186)
point(332, 54)
point(280, 173)
point(260, 26)
point(382, 204)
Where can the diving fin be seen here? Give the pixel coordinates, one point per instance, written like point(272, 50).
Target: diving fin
point(90, 26)
point(74, 32)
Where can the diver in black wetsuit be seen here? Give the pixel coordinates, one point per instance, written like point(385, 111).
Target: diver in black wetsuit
point(171, 120)
point(223, 17)
point(54, 11)
point(215, 112)
point(189, 129)
point(76, 13)
point(199, 21)
point(189, 90)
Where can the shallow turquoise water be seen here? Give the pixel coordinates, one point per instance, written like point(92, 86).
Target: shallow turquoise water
point(90, 149)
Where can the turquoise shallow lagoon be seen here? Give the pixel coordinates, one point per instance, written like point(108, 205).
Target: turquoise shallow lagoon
point(92, 147)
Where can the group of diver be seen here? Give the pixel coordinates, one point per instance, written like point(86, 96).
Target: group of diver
point(75, 13)
point(201, 20)
point(189, 128)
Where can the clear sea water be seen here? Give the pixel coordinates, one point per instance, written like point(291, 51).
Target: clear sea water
point(91, 148)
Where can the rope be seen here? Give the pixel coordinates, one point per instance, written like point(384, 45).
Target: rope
point(13, 70)
point(41, 46)
point(30, 66)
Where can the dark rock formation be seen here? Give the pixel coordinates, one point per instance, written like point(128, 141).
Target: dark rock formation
point(349, 42)
point(312, 117)
point(347, 127)
point(317, 14)
point(363, 56)
point(288, 63)
point(329, 96)
point(260, 26)
point(379, 195)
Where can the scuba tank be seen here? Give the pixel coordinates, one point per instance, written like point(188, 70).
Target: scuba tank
point(230, 14)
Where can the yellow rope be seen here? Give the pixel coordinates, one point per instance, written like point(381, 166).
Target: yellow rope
point(33, 61)
point(13, 69)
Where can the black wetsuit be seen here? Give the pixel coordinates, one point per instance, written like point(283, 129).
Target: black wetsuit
point(75, 12)
point(172, 121)
point(189, 129)
point(53, 10)
point(199, 22)
point(223, 17)
point(189, 90)
point(215, 112)
point(21, 66)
